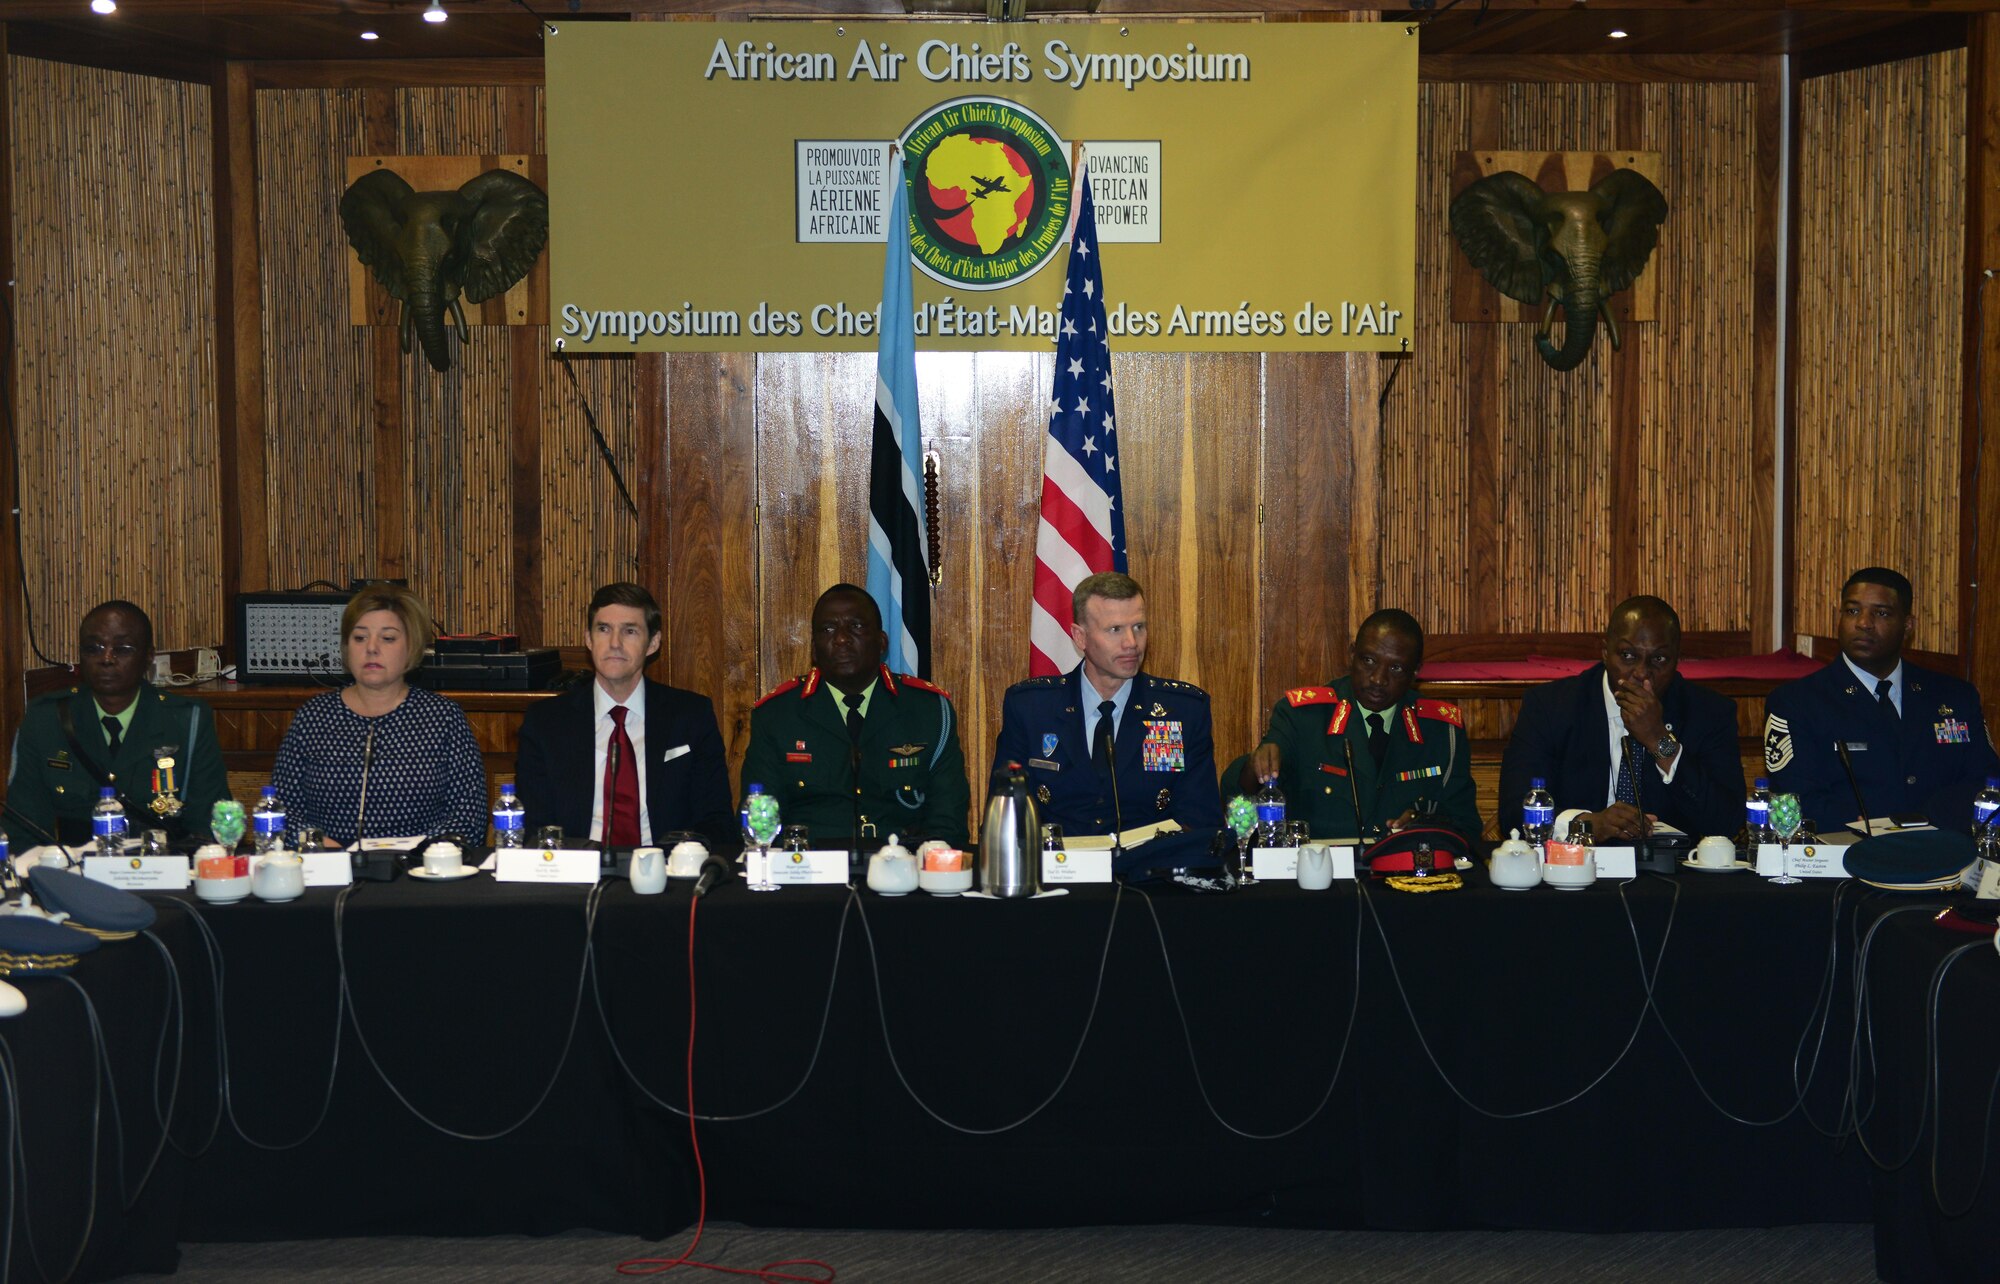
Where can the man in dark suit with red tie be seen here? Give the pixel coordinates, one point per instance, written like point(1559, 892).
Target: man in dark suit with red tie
point(621, 759)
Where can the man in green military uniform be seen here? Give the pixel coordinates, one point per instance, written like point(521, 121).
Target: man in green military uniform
point(1400, 750)
point(853, 749)
point(156, 748)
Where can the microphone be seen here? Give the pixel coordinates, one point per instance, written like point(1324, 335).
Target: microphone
point(610, 788)
point(1643, 847)
point(1353, 793)
point(50, 839)
point(713, 870)
point(1847, 765)
point(361, 810)
point(1117, 809)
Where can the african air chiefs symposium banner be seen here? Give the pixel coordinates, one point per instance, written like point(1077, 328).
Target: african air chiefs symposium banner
point(722, 187)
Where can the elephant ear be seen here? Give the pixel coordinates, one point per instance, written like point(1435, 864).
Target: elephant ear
point(372, 211)
point(506, 225)
point(1496, 223)
point(1632, 210)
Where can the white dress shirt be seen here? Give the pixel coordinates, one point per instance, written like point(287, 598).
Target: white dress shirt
point(1868, 681)
point(635, 727)
point(1614, 719)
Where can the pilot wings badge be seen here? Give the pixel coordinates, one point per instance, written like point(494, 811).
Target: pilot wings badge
point(1777, 742)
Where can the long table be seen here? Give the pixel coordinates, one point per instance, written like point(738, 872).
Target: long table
point(1357, 1057)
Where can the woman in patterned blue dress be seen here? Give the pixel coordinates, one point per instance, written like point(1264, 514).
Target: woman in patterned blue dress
point(408, 755)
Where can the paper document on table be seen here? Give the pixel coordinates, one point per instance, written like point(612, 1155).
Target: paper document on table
point(1885, 825)
point(1662, 827)
point(1128, 840)
point(388, 844)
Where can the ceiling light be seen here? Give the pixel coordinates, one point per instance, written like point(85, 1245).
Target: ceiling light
point(369, 35)
point(435, 13)
point(1616, 34)
point(104, 6)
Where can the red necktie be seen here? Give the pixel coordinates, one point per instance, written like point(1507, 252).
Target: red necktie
point(621, 786)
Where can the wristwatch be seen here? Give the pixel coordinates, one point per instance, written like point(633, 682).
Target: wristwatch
point(1667, 747)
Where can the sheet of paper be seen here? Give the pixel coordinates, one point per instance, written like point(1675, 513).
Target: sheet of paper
point(1128, 839)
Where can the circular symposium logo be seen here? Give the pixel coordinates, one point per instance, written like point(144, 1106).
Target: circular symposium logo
point(989, 192)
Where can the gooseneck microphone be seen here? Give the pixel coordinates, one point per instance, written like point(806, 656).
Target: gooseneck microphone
point(1847, 765)
point(1117, 808)
point(43, 834)
point(361, 810)
point(713, 870)
point(1643, 847)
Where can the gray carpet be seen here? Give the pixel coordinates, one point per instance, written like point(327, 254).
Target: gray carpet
point(1788, 1255)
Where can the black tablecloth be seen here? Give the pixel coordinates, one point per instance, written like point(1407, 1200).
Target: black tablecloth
point(1937, 1189)
point(68, 1209)
point(956, 1062)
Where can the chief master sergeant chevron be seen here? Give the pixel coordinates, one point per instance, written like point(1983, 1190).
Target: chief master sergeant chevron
point(853, 749)
point(1150, 760)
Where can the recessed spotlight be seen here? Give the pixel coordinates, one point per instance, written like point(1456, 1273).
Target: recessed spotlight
point(104, 6)
point(369, 35)
point(1616, 34)
point(435, 13)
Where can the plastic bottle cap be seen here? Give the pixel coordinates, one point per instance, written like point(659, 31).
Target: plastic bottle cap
point(107, 792)
point(1763, 782)
point(1993, 782)
point(270, 791)
point(1539, 782)
point(753, 788)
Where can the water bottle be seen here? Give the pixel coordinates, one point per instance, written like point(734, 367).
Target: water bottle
point(1270, 815)
point(1758, 817)
point(268, 820)
point(107, 822)
point(507, 819)
point(1986, 805)
point(1538, 814)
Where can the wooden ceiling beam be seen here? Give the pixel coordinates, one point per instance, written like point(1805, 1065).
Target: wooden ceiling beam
point(56, 10)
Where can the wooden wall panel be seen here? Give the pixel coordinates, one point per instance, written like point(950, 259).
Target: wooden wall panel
point(318, 383)
point(112, 180)
point(1518, 499)
point(1880, 390)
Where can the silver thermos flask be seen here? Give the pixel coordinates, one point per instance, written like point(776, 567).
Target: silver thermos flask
point(1010, 852)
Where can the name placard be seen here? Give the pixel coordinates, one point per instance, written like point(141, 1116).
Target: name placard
point(1075, 867)
point(1804, 860)
point(327, 869)
point(799, 869)
point(139, 873)
point(1618, 862)
point(544, 865)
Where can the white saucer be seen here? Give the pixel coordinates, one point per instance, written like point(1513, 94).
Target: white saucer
point(463, 871)
point(1730, 868)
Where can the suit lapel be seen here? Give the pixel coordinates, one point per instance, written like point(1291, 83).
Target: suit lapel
point(1590, 715)
point(1076, 746)
point(581, 767)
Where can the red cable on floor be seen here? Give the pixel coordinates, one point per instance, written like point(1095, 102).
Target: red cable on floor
point(661, 1265)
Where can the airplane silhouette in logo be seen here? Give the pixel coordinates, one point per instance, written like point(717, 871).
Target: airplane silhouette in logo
point(988, 186)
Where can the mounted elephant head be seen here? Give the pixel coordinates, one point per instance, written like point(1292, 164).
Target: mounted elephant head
point(1571, 248)
point(427, 248)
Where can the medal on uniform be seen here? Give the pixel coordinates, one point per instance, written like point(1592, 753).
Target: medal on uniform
point(1166, 797)
point(1042, 794)
point(1159, 710)
point(166, 800)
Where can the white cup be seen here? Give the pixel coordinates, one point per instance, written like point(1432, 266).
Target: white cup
point(649, 871)
point(1315, 867)
point(1715, 852)
point(443, 858)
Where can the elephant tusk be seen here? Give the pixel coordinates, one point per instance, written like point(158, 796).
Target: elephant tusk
point(404, 323)
point(1548, 317)
point(458, 315)
point(1610, 324)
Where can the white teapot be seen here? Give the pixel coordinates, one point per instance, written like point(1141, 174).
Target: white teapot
point(278, 876)
point(892, 871)
point(1515, 867)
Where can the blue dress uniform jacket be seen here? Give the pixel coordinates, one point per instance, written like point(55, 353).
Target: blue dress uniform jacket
point(1564, 736)
point(1428, 757)
point(1931, 760)
point(687, 770)
point(905, 776)
point(53, 788)
point(1163, 764)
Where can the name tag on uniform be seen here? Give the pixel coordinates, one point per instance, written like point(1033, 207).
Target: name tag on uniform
point(1076, 867)
point(1045, 764)
point(1857, 746)
point(544, 865)
point(139, 873)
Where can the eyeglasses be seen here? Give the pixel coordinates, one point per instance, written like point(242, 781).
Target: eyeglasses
point(121, 650)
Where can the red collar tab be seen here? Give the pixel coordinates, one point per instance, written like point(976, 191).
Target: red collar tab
point(888, 680)
point(1337, 725)
point(1410, 726)
point(775, 692)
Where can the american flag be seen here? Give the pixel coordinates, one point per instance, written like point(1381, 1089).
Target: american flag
point(1083, 519)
